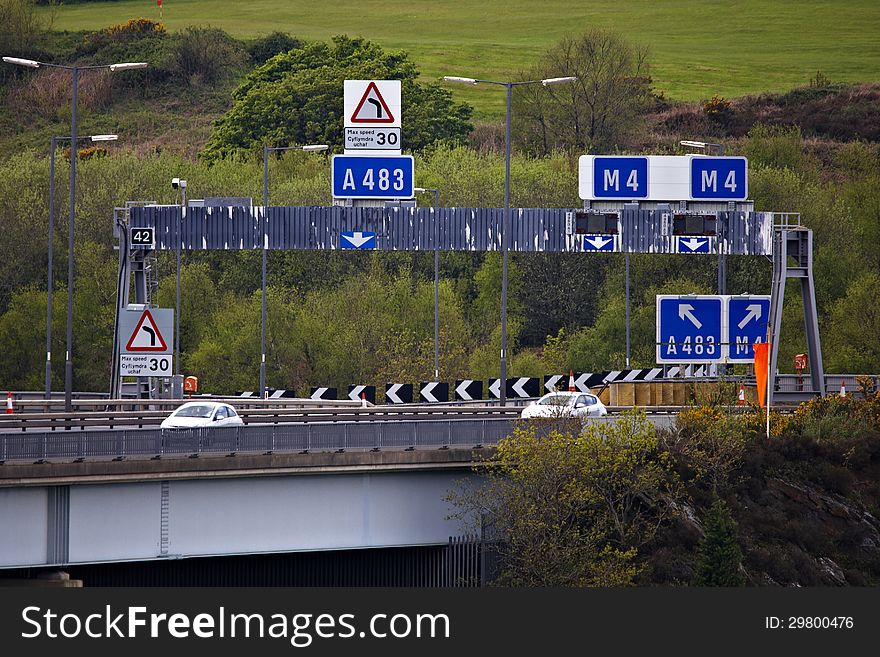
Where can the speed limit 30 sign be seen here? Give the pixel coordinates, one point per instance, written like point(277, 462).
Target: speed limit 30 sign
point(144, 365)
point(373, 139)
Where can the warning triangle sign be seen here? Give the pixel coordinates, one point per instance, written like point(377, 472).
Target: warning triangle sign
point(146, 336)
point(372, 108)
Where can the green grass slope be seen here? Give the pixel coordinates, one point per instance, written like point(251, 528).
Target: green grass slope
point(697, 48)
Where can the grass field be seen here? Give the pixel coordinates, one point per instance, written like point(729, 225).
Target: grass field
point(697, 49)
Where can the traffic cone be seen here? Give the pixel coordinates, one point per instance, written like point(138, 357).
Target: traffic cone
point(9, 410)
point(741, 397)
point(571, 387)
point(364, 399)
point(842, 391)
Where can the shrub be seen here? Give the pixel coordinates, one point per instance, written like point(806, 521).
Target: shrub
point(718, 109)
point(205, 53)
point(133, 30)
point(265, 48)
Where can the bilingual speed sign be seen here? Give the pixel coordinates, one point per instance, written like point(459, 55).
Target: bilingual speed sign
point(372, 116)
point(146, 342)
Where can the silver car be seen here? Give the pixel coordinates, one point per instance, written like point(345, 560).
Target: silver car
point(565, 404)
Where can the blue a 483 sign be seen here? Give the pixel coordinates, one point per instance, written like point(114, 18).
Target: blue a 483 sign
point(378, 177)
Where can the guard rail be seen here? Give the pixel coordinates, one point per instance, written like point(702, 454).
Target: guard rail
point(146, 418)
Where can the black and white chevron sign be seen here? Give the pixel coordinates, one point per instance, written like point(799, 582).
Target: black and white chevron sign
point(495, 388)
point(398, 393)
point(323, 393)
point(555, 382)
point(355, 392)
point(433, 392)
point(468, 390)
point(523, 387)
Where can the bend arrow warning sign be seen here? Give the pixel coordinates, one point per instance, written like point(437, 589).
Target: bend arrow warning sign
point(146, 336)
point(372, 108)
point(372, 103)
point(146, 331)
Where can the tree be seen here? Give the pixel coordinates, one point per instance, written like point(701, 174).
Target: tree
point(573, 510)
point(297, 98)
point(596, 112)
point(720, 556)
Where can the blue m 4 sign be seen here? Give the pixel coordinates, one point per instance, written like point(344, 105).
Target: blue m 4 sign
point(719, 178)
point(747, 319)
point(620, 177)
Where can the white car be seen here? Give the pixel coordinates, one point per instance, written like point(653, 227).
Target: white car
point(565, 404)
point(202, 414)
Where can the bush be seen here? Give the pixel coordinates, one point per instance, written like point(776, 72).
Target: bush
point(133, 30)
point(265, 48)
point(205, 53)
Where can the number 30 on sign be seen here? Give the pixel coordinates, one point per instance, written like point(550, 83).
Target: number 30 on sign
point(379, 177)
point(144, 365)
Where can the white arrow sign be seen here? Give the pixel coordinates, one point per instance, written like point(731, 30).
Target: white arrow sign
point(495, 388)
point(552, 384)
point(693, 243)
point(355, 394)
point(319, 393)
point(581, 382)
point(358, 239)
point(391, 393)
point(426, 391)
point(598, 241)
point(518, 387)
point(462, 390)
point(686, 311)
point(754, 313)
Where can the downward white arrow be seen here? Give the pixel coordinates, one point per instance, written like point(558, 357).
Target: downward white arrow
point(358, 239)
point(598, 242)
point(686, 310)
point(462, 390)
point(693, 243)
point(495, 388)
point(518, 386)
point(754, 313)
point(426, 392)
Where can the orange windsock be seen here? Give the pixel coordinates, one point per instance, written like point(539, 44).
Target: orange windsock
point(762, 370)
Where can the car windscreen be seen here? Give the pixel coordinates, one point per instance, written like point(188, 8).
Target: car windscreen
point(195, 411)
point(555, 400)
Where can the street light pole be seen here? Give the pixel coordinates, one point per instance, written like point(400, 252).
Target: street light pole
point(436, 193)
point(265, 238)
point(30, 63)
point(722, 259)
point(50, 278)
point(505, 227)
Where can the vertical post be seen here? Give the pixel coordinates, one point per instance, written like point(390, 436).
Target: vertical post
point(50, 277)
point(505, 229)
point(436, 286)
point(68, 357)
point(626, 285)
point(263, 300)
point(177, 310)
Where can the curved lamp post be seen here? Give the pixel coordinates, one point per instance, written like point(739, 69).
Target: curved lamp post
point(506, 225)
point(74, 71)
point(50, 278)
point(309, 148)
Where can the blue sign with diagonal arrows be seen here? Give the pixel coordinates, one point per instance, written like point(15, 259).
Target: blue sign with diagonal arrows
point(689, 328)
point(747, 318)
